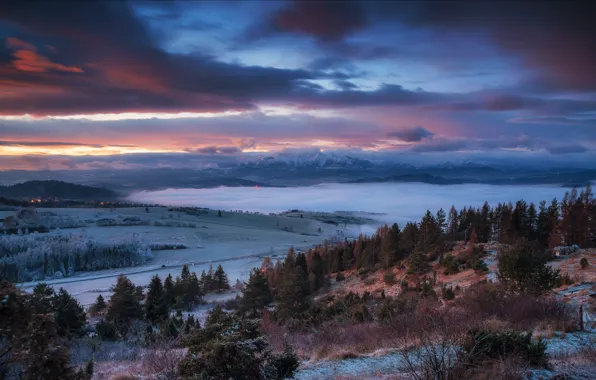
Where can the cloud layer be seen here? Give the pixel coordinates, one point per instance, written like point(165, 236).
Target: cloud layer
point(209, 79)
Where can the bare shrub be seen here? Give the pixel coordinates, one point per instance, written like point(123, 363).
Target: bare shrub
point(431, 349)
point(332, 340)
point(161, 361)
point(522, 311)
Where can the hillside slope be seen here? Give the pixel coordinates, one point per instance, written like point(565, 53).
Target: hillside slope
point(56, 189)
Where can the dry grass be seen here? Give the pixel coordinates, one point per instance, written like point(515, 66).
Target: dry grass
point(520, 311)
point(332, 341)
point(159, 362)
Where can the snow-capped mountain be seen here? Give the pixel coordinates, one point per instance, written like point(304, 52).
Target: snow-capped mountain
point(311, 160)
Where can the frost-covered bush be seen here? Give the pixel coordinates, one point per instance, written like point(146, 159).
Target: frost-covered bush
point(36, 257)
point(52, 220)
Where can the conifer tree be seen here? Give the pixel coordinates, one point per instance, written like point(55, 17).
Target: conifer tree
point(256, 293)
point(124, 306)
point(441, 220)
point(69, 315)
point(169, 290)
point(293, 293)
point(390, 246)
point(452, 222)
point(522, 268)
point(418, 262)
point(156, 308)
point(220, 279)
point(45, 357)
point(99, 305)
point(185, 275)
point(194, 293)
point(316, 276)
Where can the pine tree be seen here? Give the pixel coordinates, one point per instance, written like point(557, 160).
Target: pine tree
point(185, 274)
point(220, 279)
point(207, 280)
point(452, 222)
point(100, 304)
point(301, 263)
point(390, 246)
point(441, 219)
point(69, 315)
point(194, 292)
point(169, 290)
point(523, 269)
point(410, 237)
point(293, 293)
point(156, 308)
point(316, 276)
point(256, 293)
point(41, 298)
point(418, 262)
point(124, 305)
point(44, 357)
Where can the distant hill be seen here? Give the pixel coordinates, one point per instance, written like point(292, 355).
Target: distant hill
point(56, 189)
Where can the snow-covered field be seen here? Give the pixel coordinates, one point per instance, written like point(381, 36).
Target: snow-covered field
point(237, 241)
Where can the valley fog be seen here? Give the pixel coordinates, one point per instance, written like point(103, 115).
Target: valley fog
point(394, 202)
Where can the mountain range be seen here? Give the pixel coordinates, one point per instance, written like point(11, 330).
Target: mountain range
point(297, 169)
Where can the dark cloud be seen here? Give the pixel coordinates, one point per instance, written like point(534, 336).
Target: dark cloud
point(487, 101)
point(556, 38)
point(46, 143)
point(345, 85)
point(567, 149)
point(414, 134)
point(326, 21)
point(123, 70)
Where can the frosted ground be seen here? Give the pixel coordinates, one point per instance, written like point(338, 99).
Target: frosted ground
point(238, 241)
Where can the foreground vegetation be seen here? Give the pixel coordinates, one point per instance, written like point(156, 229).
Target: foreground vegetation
point(287, 313)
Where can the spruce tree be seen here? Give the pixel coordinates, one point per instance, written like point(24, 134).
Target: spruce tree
point(156, 308)
point(256, 293)
point(169, 290)
point(390, 246)
point(100, 303)
point(418, 262)
point(45, 357)
point(185, 275)
point(194, 293)
point(69, 315)
point(293, 293)
point(220, 279)
point(124, 306)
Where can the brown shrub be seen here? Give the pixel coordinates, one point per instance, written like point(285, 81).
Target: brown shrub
point(332, 340)
point(521, 311)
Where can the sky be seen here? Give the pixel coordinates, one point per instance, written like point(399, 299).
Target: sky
point(93, 82)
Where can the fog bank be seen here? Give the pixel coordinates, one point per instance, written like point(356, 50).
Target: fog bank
point(398, 202)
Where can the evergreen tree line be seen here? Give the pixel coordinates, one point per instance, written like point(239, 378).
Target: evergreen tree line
point(571, 221)
point(183, 293)
point(34, 333)
point(529, 230)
